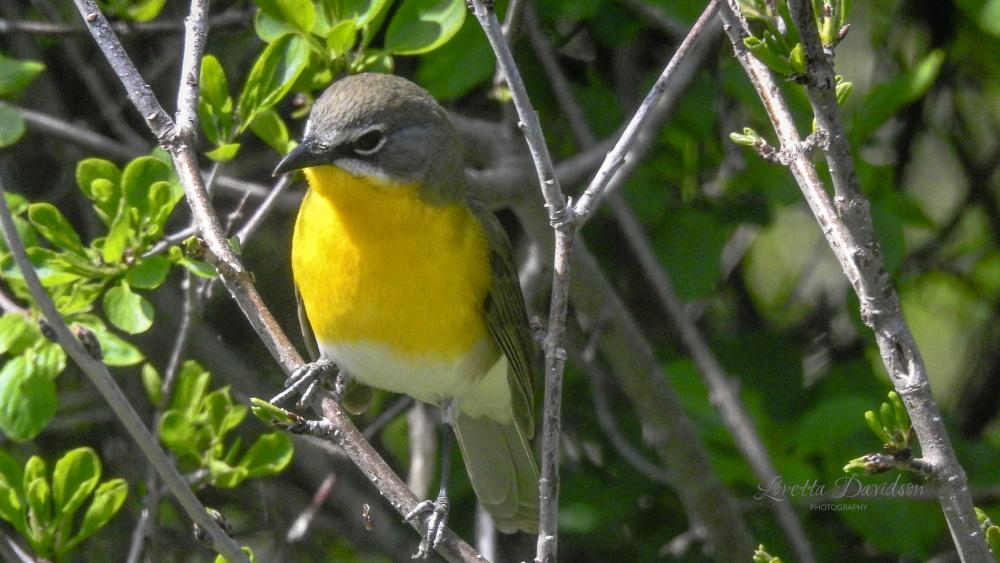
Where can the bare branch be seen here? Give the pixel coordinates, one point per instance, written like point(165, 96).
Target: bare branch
point(561, 221)
point(195, 33)
point(588, 201)
point(139, 93)
point(846, 224)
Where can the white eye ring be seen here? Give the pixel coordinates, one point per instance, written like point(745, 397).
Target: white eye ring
point(369, 142)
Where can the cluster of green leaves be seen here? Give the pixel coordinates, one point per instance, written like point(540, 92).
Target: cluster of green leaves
point(775, 40)
point(310, 42)
point(197, 425)
point(15, 75)
point(762, 556)
point(133, 204)
point(893, 427)
point(42, 507)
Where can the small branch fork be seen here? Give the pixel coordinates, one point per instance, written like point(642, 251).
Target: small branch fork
point(176, 138)
point(565, 219)
point(846, 224)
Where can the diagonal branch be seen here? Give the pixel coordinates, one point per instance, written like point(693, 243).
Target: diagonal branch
point(560, 217)
point(591, 196)
point(846, 224)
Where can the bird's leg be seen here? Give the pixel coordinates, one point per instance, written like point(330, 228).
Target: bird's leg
point(437, 522)
point(307, 379)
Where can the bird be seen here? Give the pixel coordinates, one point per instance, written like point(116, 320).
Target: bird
point(408, 283)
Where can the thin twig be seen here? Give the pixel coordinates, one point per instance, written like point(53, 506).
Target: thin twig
point(264, 209)
point(723, 394)
point(8, 305)
point(561, 221)
point(195, 34)
point(846, 223)
point(139, 92)
point(740, 426)
point(12, 552)
point(147, 518)
point(105, 384)
point(100, 96)
point(300, 526)
point(588, 201)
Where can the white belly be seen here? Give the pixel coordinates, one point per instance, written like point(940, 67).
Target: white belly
point(474, 382)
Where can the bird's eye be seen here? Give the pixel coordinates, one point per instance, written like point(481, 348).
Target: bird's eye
point(370, 142)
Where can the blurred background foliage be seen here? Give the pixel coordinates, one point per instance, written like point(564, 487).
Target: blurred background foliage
point(741, 247)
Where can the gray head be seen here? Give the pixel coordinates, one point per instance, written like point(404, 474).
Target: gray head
point(386, 127)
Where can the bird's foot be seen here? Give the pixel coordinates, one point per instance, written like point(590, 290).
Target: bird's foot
point(437, 522)
point(307, 380)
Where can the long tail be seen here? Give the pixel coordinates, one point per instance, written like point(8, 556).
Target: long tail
point(502, 469)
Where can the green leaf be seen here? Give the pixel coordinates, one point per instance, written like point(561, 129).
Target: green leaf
point(214, 86)
point(986, 14)
point(269, 455)
point(52, 225)
point(300, 14)
point(11, 479)
point(342, 37)
point(269, 29)
point(15, 74)
point(192, 381)
point(127, 310)
point(49, 271)
point(224, 152)
point(149, 273)
point(75, 476)
point(138, 178)
point(362, 12)
point(885, 100)
point(765, 53)
point(272, 76)
point(99, 181)
point(153, 384)
point(270, 128)
point(11, 125)
point(39, 497)
point(27, 399)
point(119, 236)
point(177, 434)
point(467, 50)
point(226, 476)
point(108, 499)
point(47, 359)
point(222, 415)
point(115, 350)
point(145, 10)
point(163, 197)
point(17, 333)
point(420, 26)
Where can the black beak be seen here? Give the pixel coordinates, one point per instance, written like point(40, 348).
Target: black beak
point(302, 156)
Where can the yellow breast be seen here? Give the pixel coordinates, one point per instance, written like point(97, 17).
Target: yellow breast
point(375, 263)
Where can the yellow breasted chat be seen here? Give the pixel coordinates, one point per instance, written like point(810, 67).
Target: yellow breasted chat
point(409, 284)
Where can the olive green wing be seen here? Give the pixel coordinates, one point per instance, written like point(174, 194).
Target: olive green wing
point(507, 320)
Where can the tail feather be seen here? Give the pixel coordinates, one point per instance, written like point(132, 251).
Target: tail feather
point(502, 469)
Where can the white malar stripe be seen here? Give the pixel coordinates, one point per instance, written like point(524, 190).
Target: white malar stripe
point(431, 380)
